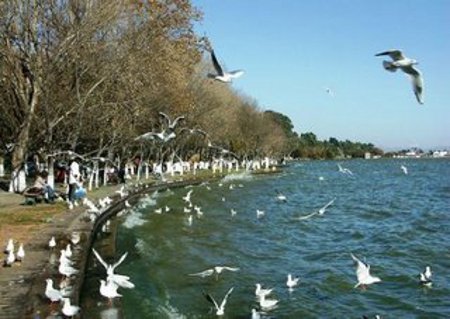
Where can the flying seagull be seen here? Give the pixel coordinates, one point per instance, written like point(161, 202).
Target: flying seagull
point(363, 273)
point(216, 269)
point(404, 169)
point(221, 75)
point(170, 123)
point(120, 280)
point(399, 61)
point(220, 310)
point(321, 211)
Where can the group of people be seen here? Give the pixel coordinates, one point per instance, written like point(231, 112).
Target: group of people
point(74, 181)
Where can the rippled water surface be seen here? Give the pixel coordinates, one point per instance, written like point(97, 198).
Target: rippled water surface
point(395, 222)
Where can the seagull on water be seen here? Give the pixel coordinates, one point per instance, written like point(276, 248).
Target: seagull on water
point(281, 197)
point(425, 277)
point(255, 314)
point(233, 212)
point(267, 304)
point(261, 292)
point(260, 213)
point(215, 270)
point(363, 273)
point(220, 310)
point(221, 75)
point(291, 281)
point(68, 309)
point(400, 61)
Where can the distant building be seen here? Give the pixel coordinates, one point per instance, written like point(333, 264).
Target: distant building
point(367, 155)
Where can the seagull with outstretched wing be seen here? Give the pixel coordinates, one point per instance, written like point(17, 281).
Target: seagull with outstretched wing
point(221, 75)
point(400, 61)
point(220, 310)
point(363, 273)
point(120, 280)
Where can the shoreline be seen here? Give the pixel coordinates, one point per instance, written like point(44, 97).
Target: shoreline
point(22, 286)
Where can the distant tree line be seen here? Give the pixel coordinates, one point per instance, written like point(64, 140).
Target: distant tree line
point(306, 145)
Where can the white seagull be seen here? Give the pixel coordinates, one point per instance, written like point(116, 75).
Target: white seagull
point(425, 277)
point(9, 246)
point(267, 304)
point(260, 213)
point(220, 310)
point(68, 309)
point(321, 211)
point(215, 270)
point(281, 197)
point(10, 259)
point(291, 281)
point(51, 293)
point(20, 253)
point(329, 91)
point(171, 124)
point(120, 280)
point(363, 273)
point(404, 169)
point(344, 170)
point(52, 242)
point(261, 292)
point(187, 198)
point(108, 289)
point(75, 238)
point(255, 314)
point(221, 75)
point(399, 61)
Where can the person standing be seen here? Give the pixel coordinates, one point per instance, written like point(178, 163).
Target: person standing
point(74, 179)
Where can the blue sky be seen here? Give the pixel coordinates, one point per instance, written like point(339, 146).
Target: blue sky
point(291, 50)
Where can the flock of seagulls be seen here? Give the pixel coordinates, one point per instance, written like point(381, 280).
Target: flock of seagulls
point(12, 257)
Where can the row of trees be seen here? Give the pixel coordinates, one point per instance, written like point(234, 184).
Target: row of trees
point(91, 75)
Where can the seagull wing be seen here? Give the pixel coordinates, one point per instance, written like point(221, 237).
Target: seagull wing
point(224, 301)
point(362, 270)
point(328, 204)
point(235, 74)
point(174, 123)
point(306, 217)
point(231, 268)
point(165, 116)
point(100, 259)
point(120, 261)
point(203, 274)
point(216, 63)
point(394, 54)
point(211, 300)
point(417, 81)
point(146, 136)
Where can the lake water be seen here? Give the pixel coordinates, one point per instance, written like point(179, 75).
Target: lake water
point(397, 223)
